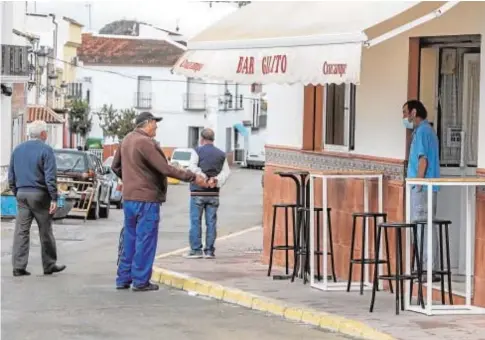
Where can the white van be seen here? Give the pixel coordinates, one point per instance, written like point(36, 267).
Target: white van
point(181, 157)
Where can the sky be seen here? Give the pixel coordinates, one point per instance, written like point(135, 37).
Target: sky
point(192, 16)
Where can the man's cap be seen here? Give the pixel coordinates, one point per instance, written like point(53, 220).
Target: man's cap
point(145, 116)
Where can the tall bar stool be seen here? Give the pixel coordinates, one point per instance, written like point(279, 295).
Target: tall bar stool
point(286, 246)
point(399, 275)
point(303, 240)
point(362, 261)
point(443, 225)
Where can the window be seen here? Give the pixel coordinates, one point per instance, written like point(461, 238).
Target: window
point(229, 139)
point(339, 117)
point(143, 96)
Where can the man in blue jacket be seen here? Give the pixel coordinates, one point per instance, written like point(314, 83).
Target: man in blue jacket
point(32, 179)
point(211, 163)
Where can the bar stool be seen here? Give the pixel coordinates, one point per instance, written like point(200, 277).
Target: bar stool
point(441, 224)
point(362, 261)
point(319, 252)
point(286, 247)
point(399, 276)
point(304, 242)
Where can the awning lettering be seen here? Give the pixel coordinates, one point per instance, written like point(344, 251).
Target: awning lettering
point(339, 69)
point(245, 65)
point(189, 65)
point(274, 64)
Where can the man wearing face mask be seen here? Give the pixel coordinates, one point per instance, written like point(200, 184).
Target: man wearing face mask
point(32, 179)
point(143, 167)
point(423, 162)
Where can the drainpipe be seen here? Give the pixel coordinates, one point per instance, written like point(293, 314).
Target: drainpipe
point(54, 58)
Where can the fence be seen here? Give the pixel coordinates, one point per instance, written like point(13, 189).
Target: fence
point(97, 152)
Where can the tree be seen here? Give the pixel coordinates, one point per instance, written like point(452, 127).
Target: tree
point(126, 123)
point(79, 120)
point(109, 117)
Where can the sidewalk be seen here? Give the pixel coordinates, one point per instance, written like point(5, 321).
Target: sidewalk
point(237, 276)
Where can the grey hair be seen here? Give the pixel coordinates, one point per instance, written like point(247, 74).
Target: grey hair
point(208, 134)
point(36, 128)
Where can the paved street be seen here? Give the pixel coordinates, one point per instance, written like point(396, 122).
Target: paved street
point(81, 303)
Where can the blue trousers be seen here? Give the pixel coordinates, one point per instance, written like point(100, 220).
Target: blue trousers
point(139, 243)
point(199, 205)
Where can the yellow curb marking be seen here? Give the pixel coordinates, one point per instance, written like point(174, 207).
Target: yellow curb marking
point(222, 238)
point(235, 296)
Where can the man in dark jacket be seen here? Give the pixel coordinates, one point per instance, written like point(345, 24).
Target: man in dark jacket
point(144, 169)
point(210, 162)
point(32, 179)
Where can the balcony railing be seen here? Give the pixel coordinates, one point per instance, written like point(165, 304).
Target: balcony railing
point(75, 91)
point(15, 61)
point(143, 100)
point(195, 101)
point(236, 103)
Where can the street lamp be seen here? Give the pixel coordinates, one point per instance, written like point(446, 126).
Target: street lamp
point(42, 56)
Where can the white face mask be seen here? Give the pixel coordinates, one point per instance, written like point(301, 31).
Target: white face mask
point(407, 124)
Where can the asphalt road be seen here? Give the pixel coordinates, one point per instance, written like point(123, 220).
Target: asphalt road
point(81, 303)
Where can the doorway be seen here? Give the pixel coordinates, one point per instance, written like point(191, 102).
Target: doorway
point(194, 136)
point(450, 89)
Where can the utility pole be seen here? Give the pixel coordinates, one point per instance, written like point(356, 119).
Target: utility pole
point(88, 5)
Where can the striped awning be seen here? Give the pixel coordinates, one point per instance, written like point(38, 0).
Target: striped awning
point(44, 113)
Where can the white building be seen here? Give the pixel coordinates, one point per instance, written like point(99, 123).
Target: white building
point(136, 72)
point(14, 78)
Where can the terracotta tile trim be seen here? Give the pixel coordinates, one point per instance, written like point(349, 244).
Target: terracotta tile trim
point(322, 161)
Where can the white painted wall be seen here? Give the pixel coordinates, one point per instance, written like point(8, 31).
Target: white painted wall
point(168, 101)
point(285, 115)
point(481, 121)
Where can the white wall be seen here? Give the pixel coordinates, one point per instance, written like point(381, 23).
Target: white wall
point(168, 101)
point(481, 121)
point(285, 115)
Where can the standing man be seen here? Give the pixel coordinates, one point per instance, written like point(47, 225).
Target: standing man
point(32, 179)
point(143, 167)
point(211, 163)
point(424, 162)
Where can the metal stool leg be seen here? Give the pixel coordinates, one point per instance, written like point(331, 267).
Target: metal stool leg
point(319, 275)
point(398, 269)
point(273, 229)
point(417, 259)
point(362, 267)
point(448, 264)
point(388, 256)
point(287, 262)
point(375, 283)
point(351, 253)
point(401, 271)
point(330, 239)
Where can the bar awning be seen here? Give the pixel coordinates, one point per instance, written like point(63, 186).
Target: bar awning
point(299, 42)
point(44, 113)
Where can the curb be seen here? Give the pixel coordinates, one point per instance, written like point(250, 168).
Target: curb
point(304, 315)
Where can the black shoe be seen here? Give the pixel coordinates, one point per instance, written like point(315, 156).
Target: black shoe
point(125, 286)
point(146, 288)
point(20, 272)
point(55, 269)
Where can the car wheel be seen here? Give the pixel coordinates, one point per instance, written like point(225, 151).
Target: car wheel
point(104, 211)
point(94, 211)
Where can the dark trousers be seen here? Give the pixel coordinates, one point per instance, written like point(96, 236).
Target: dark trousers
point(32, 205)
point(140, 237)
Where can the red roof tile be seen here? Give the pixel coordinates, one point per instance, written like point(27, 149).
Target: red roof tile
point(102, 50)
point(43, 113)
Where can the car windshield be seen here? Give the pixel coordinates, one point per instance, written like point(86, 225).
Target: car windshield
point(71, 161)
point(181, 156)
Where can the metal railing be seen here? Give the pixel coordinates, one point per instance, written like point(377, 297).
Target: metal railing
point(195, 101)
point(97, 152)
point(15, 61)
point(75, 91)
point(143, 100)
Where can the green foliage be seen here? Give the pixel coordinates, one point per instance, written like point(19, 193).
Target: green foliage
point(117, 123)
point(79, 120)
point(126, 123)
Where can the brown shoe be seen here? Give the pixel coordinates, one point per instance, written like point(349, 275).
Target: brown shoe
point(20, 272)
point(55, 269)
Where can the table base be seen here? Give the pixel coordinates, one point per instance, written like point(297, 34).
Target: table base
point(448, 310)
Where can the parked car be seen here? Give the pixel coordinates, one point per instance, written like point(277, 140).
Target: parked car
point(181, 157)
point(74, 166)
point(116, 184)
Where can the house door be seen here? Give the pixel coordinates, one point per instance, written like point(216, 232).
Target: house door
point(194, 136)
point(458, 96)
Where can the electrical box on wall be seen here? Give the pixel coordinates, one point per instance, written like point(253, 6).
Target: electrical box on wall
point(453, 137)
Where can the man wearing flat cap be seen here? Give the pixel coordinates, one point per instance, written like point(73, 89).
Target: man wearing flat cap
point(144, 169)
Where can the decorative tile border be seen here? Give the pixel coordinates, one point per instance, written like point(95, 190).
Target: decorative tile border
point(322, 162)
